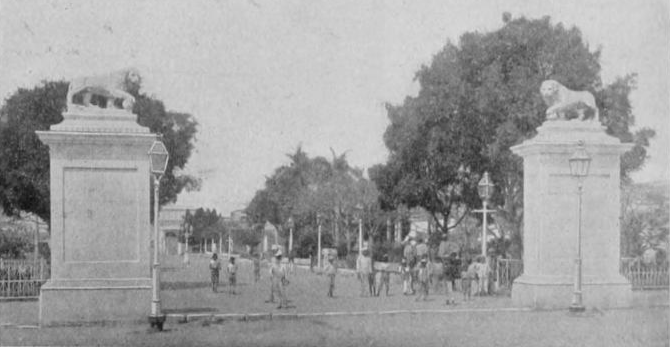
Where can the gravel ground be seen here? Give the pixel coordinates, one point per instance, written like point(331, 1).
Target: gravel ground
point(628, 328)
point(186, 290)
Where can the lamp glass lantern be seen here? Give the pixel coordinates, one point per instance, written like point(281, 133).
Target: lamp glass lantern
point(580, 162)
point(485, 187)
point(159, 158)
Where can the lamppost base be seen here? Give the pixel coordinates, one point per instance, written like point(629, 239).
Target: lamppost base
point(576, 308)
point(157, 321)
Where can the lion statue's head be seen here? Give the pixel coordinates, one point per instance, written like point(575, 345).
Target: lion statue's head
point(550, 91)
point(132, 80)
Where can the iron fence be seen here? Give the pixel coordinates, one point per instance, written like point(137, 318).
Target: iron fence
point(21, 278)
point(646, 276)
point(507, 270)
point(642, 276)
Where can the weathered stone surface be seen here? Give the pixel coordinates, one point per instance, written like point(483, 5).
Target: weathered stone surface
point(551, 218)
point(100, 232)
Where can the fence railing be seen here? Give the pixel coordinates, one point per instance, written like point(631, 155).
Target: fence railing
point(22, 279)
point(642, 277)
point(507, 270)
point(647, 277)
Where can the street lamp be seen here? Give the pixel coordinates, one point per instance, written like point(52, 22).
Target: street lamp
point(230, 245)
point(318, 222)
point(359, 212)
point(485, 189)
point(579, 168)
point(158, 156)
point(291, 225)
point(187, 234)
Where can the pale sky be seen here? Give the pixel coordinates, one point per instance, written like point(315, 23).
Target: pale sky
point(262, 76)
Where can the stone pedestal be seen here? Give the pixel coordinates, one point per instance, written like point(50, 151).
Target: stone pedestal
point(551, 218)
point(100, 231)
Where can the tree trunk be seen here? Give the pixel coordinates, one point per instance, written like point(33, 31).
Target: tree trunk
point(336, 229)
point(348, 237)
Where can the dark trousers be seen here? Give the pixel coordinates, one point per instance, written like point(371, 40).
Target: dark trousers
point(371, 283)
point(331, 286)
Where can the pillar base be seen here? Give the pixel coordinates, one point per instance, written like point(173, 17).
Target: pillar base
point(547, 292)
point(72, 302)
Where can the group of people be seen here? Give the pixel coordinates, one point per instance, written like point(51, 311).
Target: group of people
point(231, 270)
point(278, 276)
point(416, 270)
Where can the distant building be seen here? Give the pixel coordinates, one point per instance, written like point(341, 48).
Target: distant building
point(239, 216)
point(171, 219)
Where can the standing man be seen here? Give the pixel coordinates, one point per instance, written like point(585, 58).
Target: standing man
point(410, 254)
point(331, 271)
point(364, 271)
point(215, 268)
point(451, 268)
point(282, 281)
point(232, 275)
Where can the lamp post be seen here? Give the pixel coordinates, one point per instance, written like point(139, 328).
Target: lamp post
point(158, 156)
point(230, 245)
point(359, 214)
point(187, 234)
point(291, 225)
point(318, 222)
point(579, 168)
point(485, 189)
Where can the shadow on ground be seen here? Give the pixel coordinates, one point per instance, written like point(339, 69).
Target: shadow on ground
point(190, 310)
point(184, 285)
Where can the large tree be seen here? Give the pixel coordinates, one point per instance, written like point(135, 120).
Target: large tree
point(308, 188)
point(24, 159)
point(478, 98)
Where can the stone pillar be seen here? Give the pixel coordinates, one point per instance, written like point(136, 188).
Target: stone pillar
point(100, 229)
point(551, 218)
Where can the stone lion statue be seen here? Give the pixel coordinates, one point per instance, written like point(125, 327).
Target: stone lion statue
point(105, 91)
point(562, 101)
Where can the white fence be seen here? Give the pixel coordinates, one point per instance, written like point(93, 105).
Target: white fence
point(642, 277)
point(507, 270)
point(22, 279)
point(645, 276)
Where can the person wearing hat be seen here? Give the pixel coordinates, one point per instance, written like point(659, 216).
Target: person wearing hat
point(232, 275)
point(331, 271)
point(278, 280)
point(422, 277)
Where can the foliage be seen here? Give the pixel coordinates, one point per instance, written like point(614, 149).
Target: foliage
point(478, 98)
point(645, 218)
point(24, 159)
point(203, 224)
point(387, 251)
point(308, 243)
point(14, 245)
point(310, 190)
point(246, 236)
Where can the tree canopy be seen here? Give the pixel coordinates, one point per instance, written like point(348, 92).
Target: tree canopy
point(478, 98)
point(24, 159)
point(308, 189)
